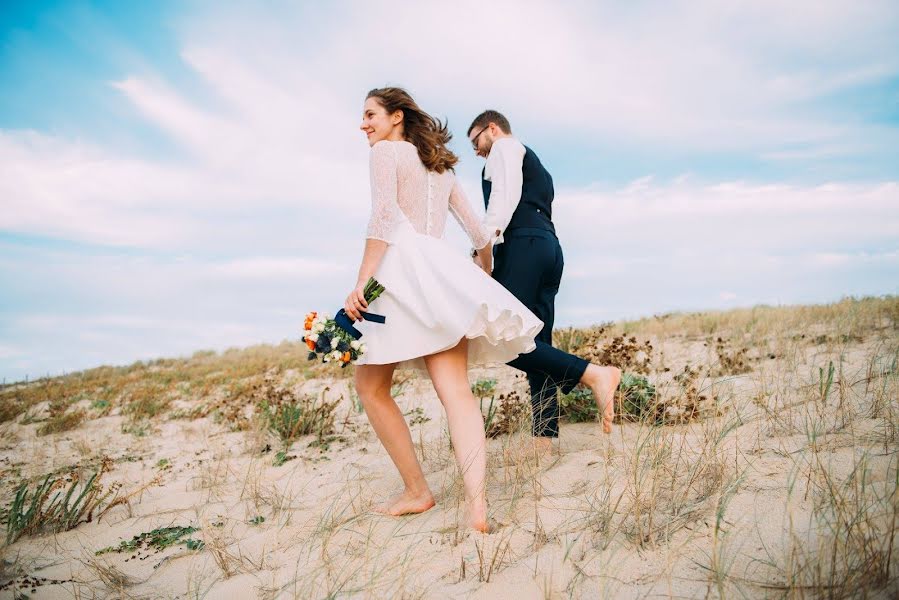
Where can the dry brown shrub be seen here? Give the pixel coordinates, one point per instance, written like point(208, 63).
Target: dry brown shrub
point(510, 415)
point(146, 400)
point(621, 351)
point(232, 407)
point(9, 409)
point(60, 418)
point(730, 361)
point(688, 404)
point(64, 421)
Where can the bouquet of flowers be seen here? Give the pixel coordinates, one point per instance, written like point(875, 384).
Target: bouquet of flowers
point(336, 340)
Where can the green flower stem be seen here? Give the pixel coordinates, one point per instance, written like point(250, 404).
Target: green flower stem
point(372, 289)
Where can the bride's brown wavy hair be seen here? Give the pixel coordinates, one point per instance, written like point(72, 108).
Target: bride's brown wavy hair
point(428, 134)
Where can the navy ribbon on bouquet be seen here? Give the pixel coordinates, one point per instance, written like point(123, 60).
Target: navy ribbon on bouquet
point(346, 323)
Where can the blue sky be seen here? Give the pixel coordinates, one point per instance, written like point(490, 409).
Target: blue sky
point(179, 176)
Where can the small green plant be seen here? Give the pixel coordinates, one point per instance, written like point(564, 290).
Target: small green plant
point(417, 416)
point(257, 520)
point(156, 541)
point(578, 406)
point(137, 428)
point(282, 457)
point(483, 388)
point(637, 398)
point(290, 417)
point(102, 406)
point(194, 545)
point(399, 388)
point(825, 382)
point(51, 506)
point(490, 415)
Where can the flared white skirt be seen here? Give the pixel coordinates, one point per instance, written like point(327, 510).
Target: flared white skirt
point(434, 297)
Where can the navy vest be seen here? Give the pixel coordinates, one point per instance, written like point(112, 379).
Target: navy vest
point(535, 208)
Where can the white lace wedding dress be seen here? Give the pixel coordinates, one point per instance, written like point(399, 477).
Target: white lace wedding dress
point(435, 295)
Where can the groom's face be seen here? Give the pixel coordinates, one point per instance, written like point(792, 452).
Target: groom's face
point(482, 139)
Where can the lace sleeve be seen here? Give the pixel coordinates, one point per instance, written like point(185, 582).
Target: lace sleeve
point(461, 209)
point(384, 207)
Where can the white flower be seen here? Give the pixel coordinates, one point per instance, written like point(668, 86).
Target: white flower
point(318, 327)
point(336, 355)
point(327, 358)
point(355, 344)
point(334, 342)
point(313, 337)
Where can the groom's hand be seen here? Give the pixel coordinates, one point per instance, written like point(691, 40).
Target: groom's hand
point(355, 303)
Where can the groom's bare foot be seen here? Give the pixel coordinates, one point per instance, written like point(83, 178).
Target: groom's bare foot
point(406, 503)
point(603, 381)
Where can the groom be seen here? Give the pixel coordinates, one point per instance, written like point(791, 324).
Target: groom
point(518, 195)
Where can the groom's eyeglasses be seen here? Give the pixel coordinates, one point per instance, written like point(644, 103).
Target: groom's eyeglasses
point(474, 140)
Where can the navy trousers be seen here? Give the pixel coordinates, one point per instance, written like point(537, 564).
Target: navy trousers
point(529, 264)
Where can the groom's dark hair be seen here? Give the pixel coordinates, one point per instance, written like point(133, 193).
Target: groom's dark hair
point(486, 118)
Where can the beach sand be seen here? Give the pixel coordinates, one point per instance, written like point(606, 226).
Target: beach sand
point(781, 486)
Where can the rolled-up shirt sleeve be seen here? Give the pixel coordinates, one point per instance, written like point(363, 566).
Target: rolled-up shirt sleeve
point(503, 170)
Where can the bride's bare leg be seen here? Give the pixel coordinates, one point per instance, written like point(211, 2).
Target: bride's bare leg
point(449, 373)
point(603, 381)
point(373, 386)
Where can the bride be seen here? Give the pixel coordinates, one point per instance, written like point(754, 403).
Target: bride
point(443, 313)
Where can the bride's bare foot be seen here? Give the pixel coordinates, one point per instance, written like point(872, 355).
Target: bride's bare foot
point(477, 518)
point(406, 503)
point(603, 381)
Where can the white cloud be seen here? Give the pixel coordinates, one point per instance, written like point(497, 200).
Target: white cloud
point(656, 246)
point(274, 269)
point(275, 124)
point(258, 215)
point(730, 218)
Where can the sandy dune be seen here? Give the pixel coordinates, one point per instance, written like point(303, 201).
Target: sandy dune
point(782, 485)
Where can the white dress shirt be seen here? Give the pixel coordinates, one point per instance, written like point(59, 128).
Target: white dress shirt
point(503, 170)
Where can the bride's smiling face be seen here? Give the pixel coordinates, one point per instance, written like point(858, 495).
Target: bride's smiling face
point(378, 125)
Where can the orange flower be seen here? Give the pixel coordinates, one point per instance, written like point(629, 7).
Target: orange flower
point(346, 357)
point(311, 344)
